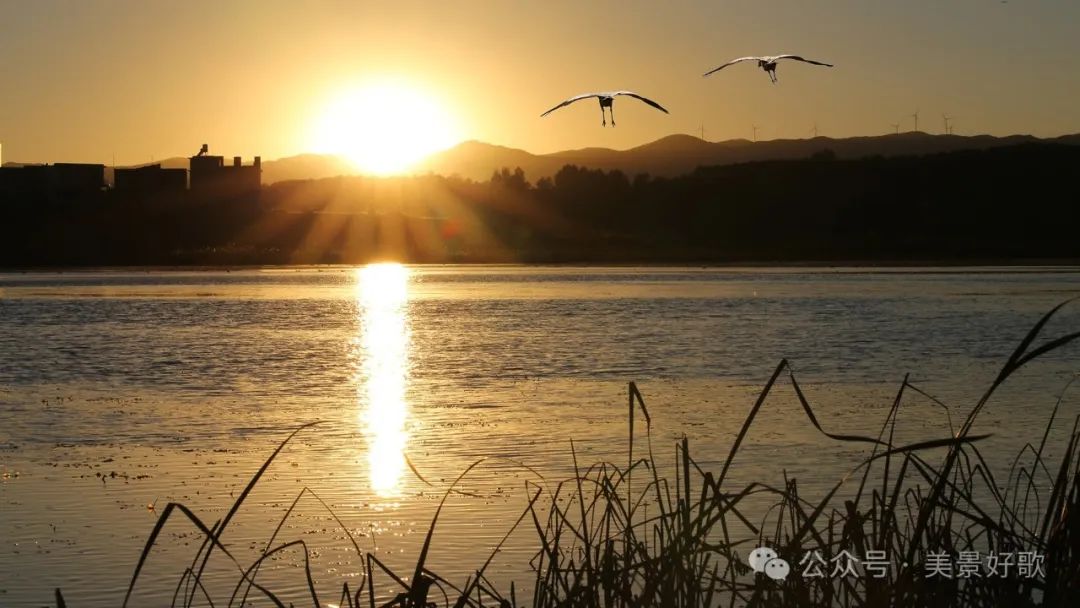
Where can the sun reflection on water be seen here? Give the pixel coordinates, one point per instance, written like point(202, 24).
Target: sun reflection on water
point(382, 296)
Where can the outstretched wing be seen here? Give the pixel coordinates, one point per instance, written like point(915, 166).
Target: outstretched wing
point(797, 58)
point(645, 99)
point(570, 101)
point(732, 62)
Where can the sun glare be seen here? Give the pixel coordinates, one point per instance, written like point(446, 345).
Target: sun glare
point(382, 295)
point(384, 128)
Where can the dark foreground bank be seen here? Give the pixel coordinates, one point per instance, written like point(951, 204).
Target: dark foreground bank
point(1014, 204)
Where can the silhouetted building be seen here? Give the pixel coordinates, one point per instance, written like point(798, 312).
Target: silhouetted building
point(74, 179)
point(150, 181)
point(16, 182)
point(52, 183)
point(211, 178)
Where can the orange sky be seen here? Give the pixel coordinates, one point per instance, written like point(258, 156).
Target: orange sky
point(90, 81)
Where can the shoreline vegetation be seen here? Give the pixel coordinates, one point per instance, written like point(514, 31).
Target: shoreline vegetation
point(1011, 204)
point(627, 535)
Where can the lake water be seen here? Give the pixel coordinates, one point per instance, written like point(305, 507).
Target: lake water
point(121, 391)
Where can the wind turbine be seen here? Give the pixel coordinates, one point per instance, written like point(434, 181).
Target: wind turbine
point(948, 126)
point(754, 127)
point(814, 130)
point(895, 126)
point(916, 117)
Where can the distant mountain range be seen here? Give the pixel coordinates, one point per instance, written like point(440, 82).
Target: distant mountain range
point(680, 154)
point(669, 156)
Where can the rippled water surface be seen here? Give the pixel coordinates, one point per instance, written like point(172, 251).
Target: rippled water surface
point(123, 391)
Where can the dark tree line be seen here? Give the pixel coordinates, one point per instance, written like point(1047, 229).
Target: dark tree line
point(1017, 204)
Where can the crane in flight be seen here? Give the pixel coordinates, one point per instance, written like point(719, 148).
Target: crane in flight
point(768, 63)
point(607, 100)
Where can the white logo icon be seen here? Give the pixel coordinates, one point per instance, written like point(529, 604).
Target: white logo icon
point(764, 560)
point(777, 569)
point(759, 557)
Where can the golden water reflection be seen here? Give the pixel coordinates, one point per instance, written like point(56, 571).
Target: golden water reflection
point(382, 298)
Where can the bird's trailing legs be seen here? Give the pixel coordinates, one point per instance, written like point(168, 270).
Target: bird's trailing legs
point(606, 102)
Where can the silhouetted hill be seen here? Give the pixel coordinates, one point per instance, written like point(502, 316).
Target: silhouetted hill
point(680, 154)
point(478, 160)
point(1072, 140)
point(669, 156)
point(305, 166)
point(1004, 204)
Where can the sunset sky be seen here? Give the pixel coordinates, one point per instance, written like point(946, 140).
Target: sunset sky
point(135, 81)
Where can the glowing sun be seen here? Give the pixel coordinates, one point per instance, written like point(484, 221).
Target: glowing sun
point(385, 127)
